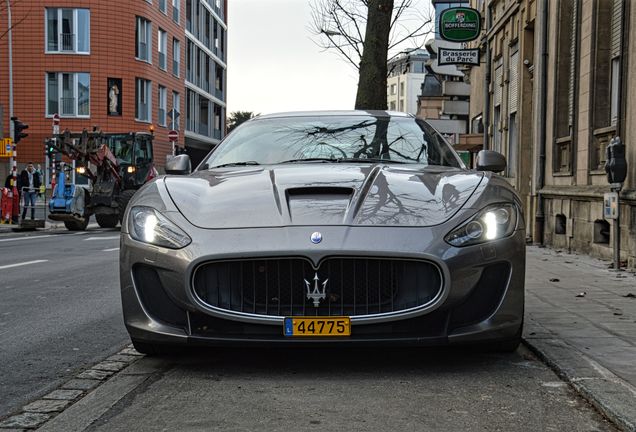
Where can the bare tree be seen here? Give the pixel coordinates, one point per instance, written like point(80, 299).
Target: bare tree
point(366, 33)
point(16, 21)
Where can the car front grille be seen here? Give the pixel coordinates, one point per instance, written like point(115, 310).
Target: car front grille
point(351, 286)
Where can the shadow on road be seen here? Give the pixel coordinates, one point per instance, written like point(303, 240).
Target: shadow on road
point(349, 361)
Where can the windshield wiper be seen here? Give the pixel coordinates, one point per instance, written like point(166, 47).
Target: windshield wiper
point(339, 160)
point(232, 164)
point(315, 159)
point(365, 160)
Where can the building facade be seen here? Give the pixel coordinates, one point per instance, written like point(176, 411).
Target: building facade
point(443, 100)
point(556, 84)
point(406, 71)
point(119, 65)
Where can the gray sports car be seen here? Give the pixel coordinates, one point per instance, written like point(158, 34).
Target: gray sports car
point(359, 227)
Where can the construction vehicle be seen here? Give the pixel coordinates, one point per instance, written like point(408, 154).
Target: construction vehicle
point(116, 164)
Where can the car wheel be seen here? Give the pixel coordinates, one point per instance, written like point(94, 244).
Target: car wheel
point(75, 225)
point(106, 220)
point(151, 349)
point(507, 345)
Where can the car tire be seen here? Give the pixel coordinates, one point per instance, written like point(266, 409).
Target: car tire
point(124, 199)
point(76, 226)
point(151, 349)
point(106, 220)
point(507, 345)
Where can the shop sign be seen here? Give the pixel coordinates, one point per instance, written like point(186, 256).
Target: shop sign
point(460, 24)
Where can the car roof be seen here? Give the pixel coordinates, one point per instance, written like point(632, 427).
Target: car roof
point(349, 113)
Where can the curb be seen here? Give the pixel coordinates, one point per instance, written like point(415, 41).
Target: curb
point(609, 394)
point(36, 414)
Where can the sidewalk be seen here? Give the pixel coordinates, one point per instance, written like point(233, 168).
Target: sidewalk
point(581, 319)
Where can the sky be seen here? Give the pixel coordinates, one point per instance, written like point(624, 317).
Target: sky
point(273, 65)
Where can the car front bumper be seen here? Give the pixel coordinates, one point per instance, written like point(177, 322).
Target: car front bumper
point(482, 299)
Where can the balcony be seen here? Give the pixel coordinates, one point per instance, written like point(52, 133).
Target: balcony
point(455, 107)
point(67, 42)
point(162, 61)
point(68, 106)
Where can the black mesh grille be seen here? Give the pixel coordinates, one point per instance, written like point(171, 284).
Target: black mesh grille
point(352, 286)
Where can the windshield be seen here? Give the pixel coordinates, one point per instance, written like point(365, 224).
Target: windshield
point(333, 138)
point(122, 148)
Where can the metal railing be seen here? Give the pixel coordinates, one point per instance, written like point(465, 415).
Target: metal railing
point(162, 61)
point(142, 50)
point(67, 42)
point(68, 106)
point(175, 68)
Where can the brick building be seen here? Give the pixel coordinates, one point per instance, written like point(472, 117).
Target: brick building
point(121, 65)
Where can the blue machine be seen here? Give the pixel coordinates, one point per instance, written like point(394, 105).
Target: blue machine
point(68, 203)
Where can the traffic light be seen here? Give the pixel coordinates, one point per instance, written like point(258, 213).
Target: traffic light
point(18, 128)
point(49, 149)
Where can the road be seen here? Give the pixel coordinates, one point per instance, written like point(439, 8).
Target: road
point(60, 309)
point(60, 313)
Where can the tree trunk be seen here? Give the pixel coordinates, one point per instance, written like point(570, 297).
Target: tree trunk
point(372, 80)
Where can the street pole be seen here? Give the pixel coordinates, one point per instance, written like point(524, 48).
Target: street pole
point(617, 230)
point(11, 128)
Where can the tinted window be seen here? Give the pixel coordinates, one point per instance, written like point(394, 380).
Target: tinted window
point(275, 140)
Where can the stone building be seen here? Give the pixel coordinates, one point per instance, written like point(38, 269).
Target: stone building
point(556, 84)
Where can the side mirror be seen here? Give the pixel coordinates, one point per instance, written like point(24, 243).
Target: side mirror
point(489, 160)
point(179, 165)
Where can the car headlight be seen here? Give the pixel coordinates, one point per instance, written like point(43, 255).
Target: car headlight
point(149, 226)
point(492, 223)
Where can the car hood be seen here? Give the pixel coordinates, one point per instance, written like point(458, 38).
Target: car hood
point(321, 194)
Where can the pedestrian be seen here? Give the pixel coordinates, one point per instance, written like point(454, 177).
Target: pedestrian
point(30, 185)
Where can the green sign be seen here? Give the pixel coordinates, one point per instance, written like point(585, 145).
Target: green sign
point(460, 24)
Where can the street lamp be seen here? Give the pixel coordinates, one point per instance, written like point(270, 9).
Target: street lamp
point(11, 125)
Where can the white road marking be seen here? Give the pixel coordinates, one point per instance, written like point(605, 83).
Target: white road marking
point(110, 250)
point(102, 238)
point(22, 264)
point(28, 238)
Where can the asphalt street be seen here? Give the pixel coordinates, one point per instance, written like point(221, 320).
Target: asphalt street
point(333, 390)
point(60, 314)
point(60, 309)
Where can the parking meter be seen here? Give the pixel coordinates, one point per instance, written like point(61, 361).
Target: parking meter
point(615, 163)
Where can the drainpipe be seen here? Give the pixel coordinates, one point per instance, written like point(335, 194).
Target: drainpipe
point(540, 125)
point(486, 116)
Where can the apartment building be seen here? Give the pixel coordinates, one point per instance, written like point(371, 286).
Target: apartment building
point(407, 71)
point(120, 65)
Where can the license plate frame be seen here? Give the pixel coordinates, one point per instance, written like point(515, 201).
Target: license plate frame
point(320, 327)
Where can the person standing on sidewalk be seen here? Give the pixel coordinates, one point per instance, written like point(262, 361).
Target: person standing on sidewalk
point(30, 185)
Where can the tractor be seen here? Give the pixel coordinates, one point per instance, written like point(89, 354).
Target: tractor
point(116, 164)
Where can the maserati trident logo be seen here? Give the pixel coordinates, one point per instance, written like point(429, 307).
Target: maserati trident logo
point(316, 237)
point(316, 295)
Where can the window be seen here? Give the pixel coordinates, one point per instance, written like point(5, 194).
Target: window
point(175, 10)
point(176, 57)
point(163, 104)
point(513, 143)
point(607, 65)
point(566, 77)
point(162, 46)
point(67, 30)
point(143, 100)
point(162, 6)
point(176, 110)
point(144, 40)
point(68, 94)
point(393, 88)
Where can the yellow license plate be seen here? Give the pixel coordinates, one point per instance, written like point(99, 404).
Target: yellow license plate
point(317, 326)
